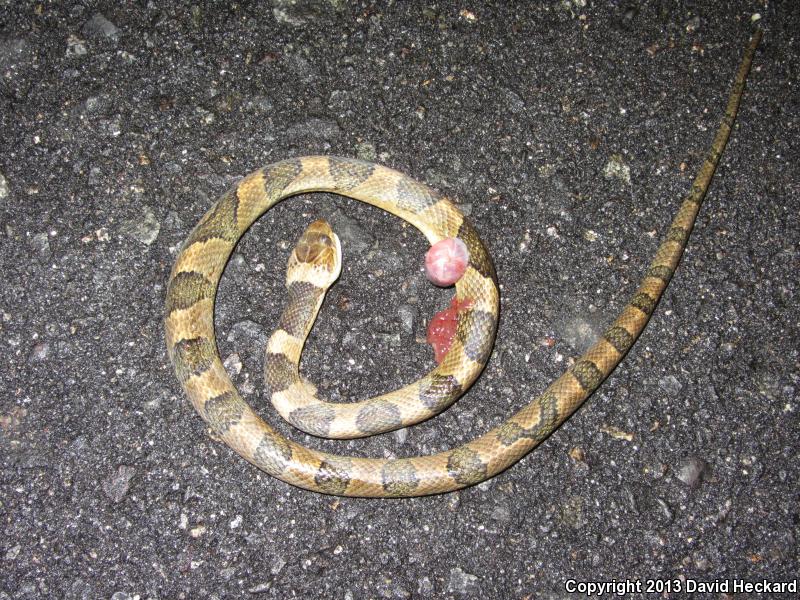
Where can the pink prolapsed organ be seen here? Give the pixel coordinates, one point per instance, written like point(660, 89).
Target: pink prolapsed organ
point(442, 328)
point(446, 261)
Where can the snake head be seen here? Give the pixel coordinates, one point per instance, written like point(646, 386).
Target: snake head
point(317, 257)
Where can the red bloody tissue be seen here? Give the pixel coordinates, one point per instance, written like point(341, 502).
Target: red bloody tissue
point(442, 328)
point(446, 261)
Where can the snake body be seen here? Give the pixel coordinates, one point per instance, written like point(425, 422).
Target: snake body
point(313, 267)
point(191, 343)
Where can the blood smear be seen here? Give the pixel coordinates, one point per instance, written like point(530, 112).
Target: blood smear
point(442, 328)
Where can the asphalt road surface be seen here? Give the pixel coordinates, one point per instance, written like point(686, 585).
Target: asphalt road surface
point(568, 131)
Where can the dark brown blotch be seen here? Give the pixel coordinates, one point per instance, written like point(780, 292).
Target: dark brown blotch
point(399, 477)
point(695, 194)
point(272, 454)
point(415, 197)
point(192, 357)
point(440, 392)
point(588, 375)
point(279, 175)
point(186, 289)
point(333, 475)
point(219, 222)
point(279, 372)
point(315, 419)
point(677, 234)
point(548, 416)
point(662, 272)
point(643, 302)
point(224, 411)
point(475, 331)
point(348, 173)
point(465, 466)
point(378, 416)
point(510, 432)
point(479, 258)
point(619, 338)
point(300, 307)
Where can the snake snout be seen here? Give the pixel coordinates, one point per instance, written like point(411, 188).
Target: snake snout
point(317, 257)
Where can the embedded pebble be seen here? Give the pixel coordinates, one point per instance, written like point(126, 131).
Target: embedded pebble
point(390, 339)
point(407, 314)
point(354, 237)
point(40, 352)
point(112, 126)
point(350, 339)
point(515, 102)
point(277, 565)
point(237, 261)
point(79, 590)
point(454, 502)
point(401, 435)
point(285, 12)
point(14, 52)
point(260, 588)
point(3, 187)
point(617, 169)
point(465, 208)
point(99, 26)
point(366, 151)
point(233, 364)
point(76, 46)
point(248, 337)
point(581, 333)
point(652, 508)
point(143, 228)
point(572, 512)
point(425, 587)
point(118, 484)
point(339, 100)
point(666, 512)
point(41, 245)
point(462, 582)
point(693, 24)
point(92, 104)
point(258, 104)
point(314, 128)
point(691, 471)
point(501, 513)
point(671, 385)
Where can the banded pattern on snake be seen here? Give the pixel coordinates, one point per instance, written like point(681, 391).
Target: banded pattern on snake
point(191, 343)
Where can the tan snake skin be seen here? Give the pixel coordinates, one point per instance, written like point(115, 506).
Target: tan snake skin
point(191, 342)
point(313, 267)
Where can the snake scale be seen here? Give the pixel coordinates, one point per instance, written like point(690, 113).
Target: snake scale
point(191, 343)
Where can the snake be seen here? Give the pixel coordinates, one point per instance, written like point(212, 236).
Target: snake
point(192, 349)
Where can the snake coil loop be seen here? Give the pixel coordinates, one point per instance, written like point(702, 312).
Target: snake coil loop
point(191, 342)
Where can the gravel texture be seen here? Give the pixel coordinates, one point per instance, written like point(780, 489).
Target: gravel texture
point(568, 130)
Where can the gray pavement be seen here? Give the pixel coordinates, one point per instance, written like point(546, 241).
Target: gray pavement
point(569, 131)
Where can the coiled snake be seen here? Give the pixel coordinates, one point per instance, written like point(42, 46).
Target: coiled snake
point(191, 343)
